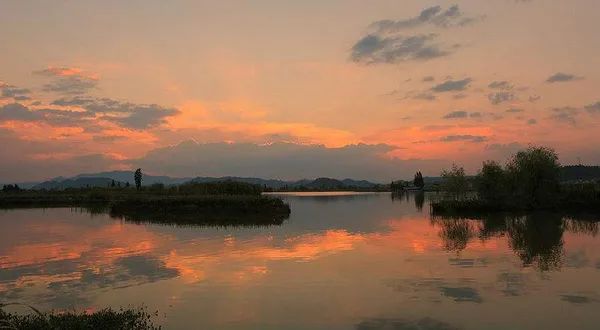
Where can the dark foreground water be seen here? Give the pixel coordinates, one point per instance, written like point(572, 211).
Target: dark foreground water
point(339, 262)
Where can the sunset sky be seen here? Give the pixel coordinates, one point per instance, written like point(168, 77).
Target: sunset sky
point(294, 89)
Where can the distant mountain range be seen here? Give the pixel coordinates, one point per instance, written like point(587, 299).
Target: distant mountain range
point(320, 183)
point(104, 179)
point(81, 182)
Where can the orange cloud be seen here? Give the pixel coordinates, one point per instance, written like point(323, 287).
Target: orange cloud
point(248, 122)
point(67, 72)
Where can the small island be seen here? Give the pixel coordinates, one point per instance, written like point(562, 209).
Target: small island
point(529, 181)
point(192, 203)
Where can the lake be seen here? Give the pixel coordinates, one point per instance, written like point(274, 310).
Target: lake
point(341, 261)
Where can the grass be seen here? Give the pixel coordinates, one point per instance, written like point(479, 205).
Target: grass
point(123, 319)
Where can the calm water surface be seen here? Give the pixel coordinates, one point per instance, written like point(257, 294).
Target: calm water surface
point(340, 262)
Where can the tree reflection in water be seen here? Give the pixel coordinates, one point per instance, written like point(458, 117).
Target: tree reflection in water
point(456, 233)
point(536, 238)
point(417, 196)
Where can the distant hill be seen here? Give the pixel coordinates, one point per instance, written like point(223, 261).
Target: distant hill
point(325, 184)
point(306, 184)
point(359, 183)
point(80, 182)
point(270, 183)
point(102, 179)
point(127, 176)
point(580, 172)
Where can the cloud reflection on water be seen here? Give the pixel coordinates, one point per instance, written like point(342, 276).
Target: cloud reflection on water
point(77, 260)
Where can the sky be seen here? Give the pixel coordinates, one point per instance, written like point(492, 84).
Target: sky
point(294, 89)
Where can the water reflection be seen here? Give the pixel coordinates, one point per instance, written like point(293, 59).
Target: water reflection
point(536, 238)
point(425, 323)
point(417, 196)
point(361, 261)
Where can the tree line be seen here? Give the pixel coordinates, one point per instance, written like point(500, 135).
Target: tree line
point(530, 179)
point(400, 185)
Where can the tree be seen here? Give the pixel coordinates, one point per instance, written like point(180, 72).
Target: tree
point(113, 184)
point(137, 176)
point(491, 182)
point(534, 176)
point(11, 188)
point(418, 180)
point(455, 182)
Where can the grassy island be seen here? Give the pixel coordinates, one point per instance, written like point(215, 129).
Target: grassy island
point(218, 203)
point(530, 181)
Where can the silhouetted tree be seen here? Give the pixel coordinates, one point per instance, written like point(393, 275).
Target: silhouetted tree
point(530, 180)
point(113, 184)
point(398, 185)
point(492, 182)
point(455, 182)
point(11, 188)
point(127, 184)
point(534, 176)
point(418, 180)
point(137, 176)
